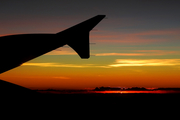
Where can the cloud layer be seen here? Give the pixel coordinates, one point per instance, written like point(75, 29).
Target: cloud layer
point(62, 65)
point(145, 62)
point(117, 63)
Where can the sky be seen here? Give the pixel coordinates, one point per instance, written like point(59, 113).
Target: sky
point(136, 45)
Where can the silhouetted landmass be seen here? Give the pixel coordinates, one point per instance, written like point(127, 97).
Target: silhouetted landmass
point(105, 88)
point(71, 100)
point(18, 96)
point(114, 88)
point(136, 88)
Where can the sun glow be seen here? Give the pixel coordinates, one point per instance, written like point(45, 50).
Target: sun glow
point(139, 91)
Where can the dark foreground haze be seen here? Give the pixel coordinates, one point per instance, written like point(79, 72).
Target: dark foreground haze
point(100, 96)
point(24, 101)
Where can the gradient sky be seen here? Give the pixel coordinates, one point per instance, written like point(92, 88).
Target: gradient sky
point(138, 44)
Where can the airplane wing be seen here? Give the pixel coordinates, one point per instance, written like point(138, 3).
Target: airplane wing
point(15, 51)
point(78, 35)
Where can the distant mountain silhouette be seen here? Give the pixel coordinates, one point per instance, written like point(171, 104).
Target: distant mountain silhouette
point(105, 88)
point(136, 88)
point(10, 89)
point(114, 88)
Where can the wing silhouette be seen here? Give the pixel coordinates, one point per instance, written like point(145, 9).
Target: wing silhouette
point(20, 48)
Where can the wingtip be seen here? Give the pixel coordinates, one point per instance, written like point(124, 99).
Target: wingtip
point(101, 16)
point(85, 57)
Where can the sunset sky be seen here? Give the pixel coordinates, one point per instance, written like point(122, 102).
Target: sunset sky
point(137, 45)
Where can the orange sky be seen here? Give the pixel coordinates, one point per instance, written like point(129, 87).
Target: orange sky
point(137, 45)
point(77, 75)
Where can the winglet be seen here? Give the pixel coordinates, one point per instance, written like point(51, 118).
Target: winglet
point(79, 35)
